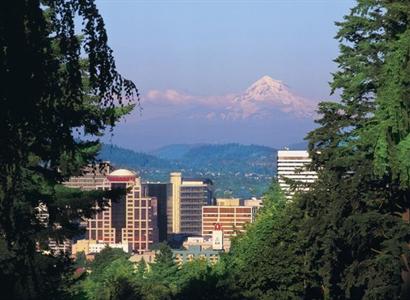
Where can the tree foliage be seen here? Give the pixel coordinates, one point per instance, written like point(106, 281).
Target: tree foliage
point(57, 89)
point(357, 240)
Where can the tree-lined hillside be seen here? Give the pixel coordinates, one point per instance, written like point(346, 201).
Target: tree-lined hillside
point(238, 170)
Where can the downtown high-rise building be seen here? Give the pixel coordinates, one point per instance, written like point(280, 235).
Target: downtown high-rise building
point(131, 220)
point(186, 197)
point(292, 167)
point(160, 192)
point(91, 177)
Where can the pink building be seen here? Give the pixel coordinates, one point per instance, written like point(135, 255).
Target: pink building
point(132, 219)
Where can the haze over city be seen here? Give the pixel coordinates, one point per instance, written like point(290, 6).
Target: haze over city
point(194, 61)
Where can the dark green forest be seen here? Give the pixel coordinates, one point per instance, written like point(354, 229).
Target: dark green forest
point(346, 238)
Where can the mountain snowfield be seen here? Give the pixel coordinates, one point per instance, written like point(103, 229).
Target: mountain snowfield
point(265, 98)
point(266, 95)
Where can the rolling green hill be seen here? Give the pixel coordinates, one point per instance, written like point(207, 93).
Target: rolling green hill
point(237, 170)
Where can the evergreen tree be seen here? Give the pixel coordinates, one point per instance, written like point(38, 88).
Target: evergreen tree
point(357, 242)
point(56, 90)
point(267, 261)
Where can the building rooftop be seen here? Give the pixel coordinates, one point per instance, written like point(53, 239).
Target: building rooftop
point(203, 180)
point(122, 172)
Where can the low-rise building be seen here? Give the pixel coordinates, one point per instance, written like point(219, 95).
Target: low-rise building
point(231, 219)
point(204, 242)
point(254, 202)
point(93, 247)
point(228, 201)
point(196, 252)
point(147, 256)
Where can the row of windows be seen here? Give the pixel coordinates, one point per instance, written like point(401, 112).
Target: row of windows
point(224, 210)
point(193, 189)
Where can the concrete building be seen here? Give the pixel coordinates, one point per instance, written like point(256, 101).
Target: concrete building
point(204, 242)
point(93, 247)
point(231, 220)
point(92, 177)
point(131, 219)
point(186, 197)
point(196, 252)
point(254, 202)
point(228, 202)
point(98, 247)
point(292, 165)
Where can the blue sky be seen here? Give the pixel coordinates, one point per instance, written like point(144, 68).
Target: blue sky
point(218, 47)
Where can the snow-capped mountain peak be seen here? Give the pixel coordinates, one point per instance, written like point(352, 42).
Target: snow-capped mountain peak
point(267, 94)
point(266, 85)
point(265, 98)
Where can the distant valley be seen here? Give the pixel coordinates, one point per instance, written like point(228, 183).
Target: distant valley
point(237, 170)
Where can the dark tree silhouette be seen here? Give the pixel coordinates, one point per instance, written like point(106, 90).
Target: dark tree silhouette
point(59, 85)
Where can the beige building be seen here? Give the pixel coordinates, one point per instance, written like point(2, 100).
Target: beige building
point(292, 165)
point(203, 242)
point(93, 247)
point(231, 219)
point(228, 202)
point(186, 197)
point(82, 246)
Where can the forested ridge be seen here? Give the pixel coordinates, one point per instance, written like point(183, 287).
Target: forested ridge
point(236, 170)
point(346, 238)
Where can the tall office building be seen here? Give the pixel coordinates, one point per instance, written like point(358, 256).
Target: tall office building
point(292, 165)
point(186, 196)
point(159, 191)
point(92, 177)
point(132, 219)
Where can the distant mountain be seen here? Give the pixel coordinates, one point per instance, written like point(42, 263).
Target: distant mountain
point(174, 152)
point(266, 111)
point(238, 170)
point(122, 157)
point(265, 98)
point(266, 95)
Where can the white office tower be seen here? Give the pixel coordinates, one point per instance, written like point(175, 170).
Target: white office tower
point(292, 165)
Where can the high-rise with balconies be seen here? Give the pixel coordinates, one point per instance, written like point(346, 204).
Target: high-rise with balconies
point(292, 166)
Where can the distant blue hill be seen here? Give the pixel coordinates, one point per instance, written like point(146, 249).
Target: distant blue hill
point(175, 151)
point(122, 157)
point(237, 170)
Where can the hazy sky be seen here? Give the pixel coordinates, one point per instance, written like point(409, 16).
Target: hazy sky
point(218, 47)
